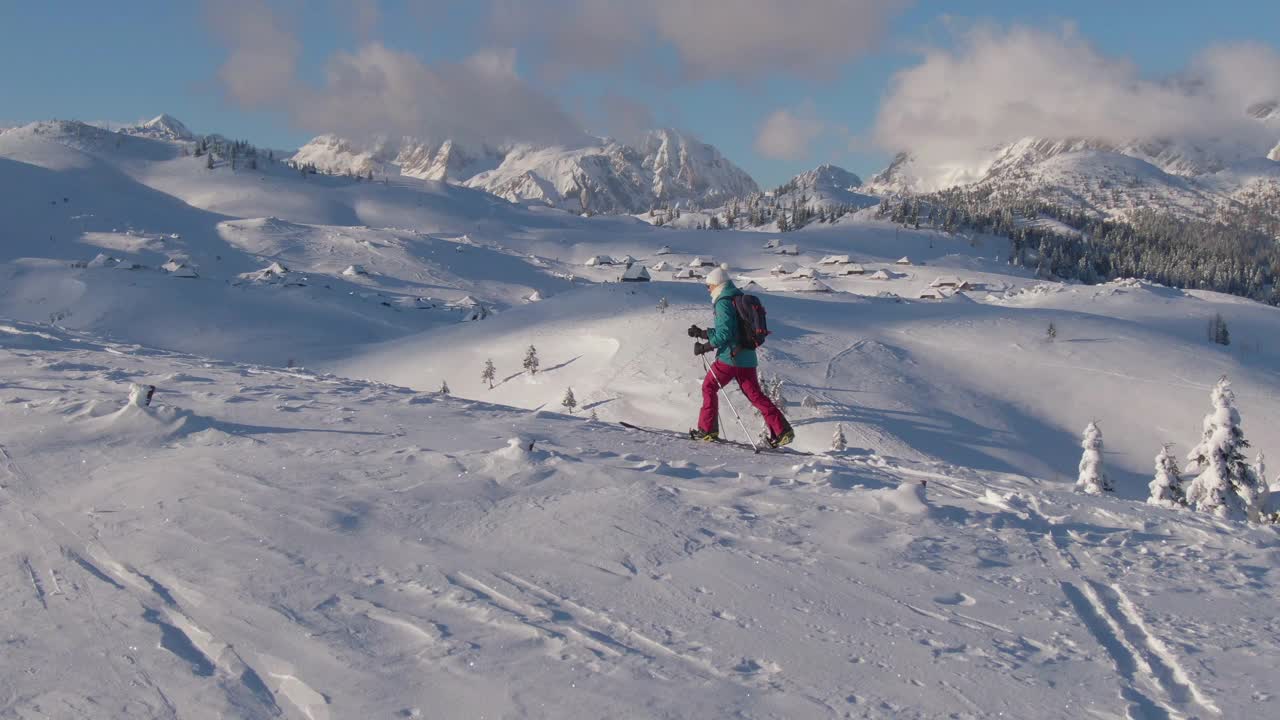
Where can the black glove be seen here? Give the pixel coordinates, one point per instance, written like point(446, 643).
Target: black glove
point(697, 332)
point(700, 348)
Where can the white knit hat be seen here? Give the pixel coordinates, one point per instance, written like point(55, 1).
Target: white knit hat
point(719, 276)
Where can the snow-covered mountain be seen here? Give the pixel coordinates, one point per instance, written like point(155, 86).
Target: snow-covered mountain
point(825, 186)
point(826, 177)
point(604, 176)
point(1190, 178)
point(409, 157)
point(161, 127)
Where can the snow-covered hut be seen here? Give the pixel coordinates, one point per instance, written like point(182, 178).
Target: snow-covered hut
point(751, 286)
point(811, 286)
point(625, 260)
point(662, 265)
point(413, 303)
point(834, 260)
point(599, 260)
point(275, 273)
point(635, 273)
point(102, 260)
point(699, 262)
point(773, 244)
point(804, 273)
point(180, 269)
point(852, 269)
point(354, 270)
point(664, 250)
point(788, 250)
point(934, 294)
point(951, 283)
point(687, 274)
point(785, 268)
point(904, 260)
point(880, 275)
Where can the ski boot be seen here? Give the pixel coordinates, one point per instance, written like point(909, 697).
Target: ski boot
point(787, 436)
point(701, 436)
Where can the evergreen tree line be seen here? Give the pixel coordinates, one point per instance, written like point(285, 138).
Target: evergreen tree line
point(311, 169)
point(1235, 252)
point(236, 153)
point(758, 210)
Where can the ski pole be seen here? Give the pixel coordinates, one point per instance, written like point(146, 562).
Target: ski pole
point(741, 424)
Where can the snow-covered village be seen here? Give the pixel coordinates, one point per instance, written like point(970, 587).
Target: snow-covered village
point(580, 359)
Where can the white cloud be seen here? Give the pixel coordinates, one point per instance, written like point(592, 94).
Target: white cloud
point(741, 38)
point(379, 91)
point(787, 134)
point(1001, 85)
point(262, 65)
point(712, 39)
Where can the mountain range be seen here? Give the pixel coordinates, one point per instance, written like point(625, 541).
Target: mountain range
point(665, 167)
point(668, 168)
point(1186, 178)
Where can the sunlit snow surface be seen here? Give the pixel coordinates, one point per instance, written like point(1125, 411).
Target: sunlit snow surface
point(267, 541)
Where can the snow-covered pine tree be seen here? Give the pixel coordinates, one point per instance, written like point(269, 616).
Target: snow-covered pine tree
point(1227, 485)
point(776, 392)
point(1268, 510)
point(444, 387)
point(1052, 332)
point(594, 416)
point(489, 373)
point(809, 402)
point(531, 360)
point(569, 401)
point(1093, 478)
point(838, 443)
point(1166, 488)
point(663, 305)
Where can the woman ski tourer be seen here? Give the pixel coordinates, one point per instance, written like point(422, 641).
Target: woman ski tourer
point(733, 362)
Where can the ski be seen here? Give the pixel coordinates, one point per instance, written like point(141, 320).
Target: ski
point(734, 443)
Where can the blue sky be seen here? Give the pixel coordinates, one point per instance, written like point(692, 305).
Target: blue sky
point(127, 60)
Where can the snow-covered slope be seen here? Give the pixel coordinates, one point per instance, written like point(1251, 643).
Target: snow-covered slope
point(74, 192)
point(278, 542)
point(666, 167)
point(270, 543)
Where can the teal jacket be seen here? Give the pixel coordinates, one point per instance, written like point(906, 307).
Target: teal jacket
point(724, 336)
